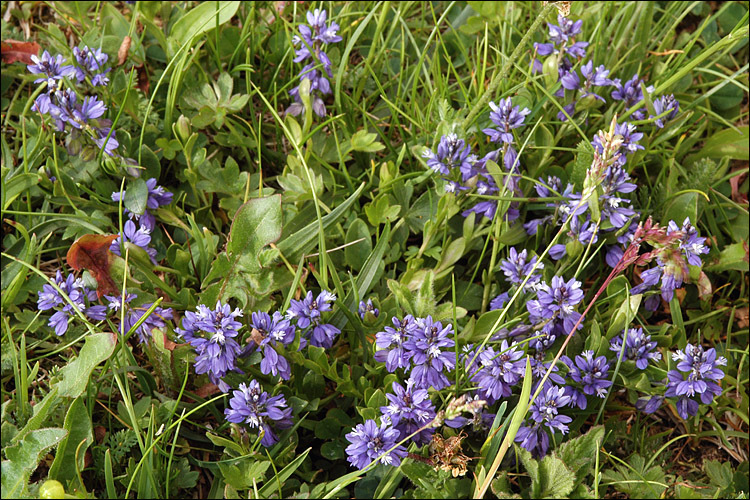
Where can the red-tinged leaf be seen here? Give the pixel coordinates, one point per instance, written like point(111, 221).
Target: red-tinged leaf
point(14, 51)
point(735, 181)
point(91, 251)
point(169, 345)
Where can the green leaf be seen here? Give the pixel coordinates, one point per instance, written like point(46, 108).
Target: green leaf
point(362, 140)
point(550, 478)
point(726, 143)
point(17, 185)
point(256, 224)
point(75, 375)
point(78, 425)
point(356, 254)
point(682, 206)
point(624, 315)
point(136, 196)
point(201, 19)
point(579, 453)
point(23, 459)
point(327, 429)
point(584, 158)
point(733, 257)
point(299, 241)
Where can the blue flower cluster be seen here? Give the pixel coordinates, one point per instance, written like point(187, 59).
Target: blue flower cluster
point(694, 378)
point(638, 347)
point(310, 46)
point(371, 442)
point(545, 417)
point(307, 313)
point(268, 333)
point(464, 171)
point(421, 347)
point(80, 119)
point(157, 319)
point(253, 406)
point(141, 235)
point(684, 247)
point(80, 296)
point(213, 332)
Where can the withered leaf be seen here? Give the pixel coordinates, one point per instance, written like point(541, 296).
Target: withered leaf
point(91, 251)
point(14, 50)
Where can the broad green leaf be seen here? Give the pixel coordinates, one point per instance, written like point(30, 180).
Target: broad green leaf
point(356, 253)
point(136, 196)
point(681, 207)
point(23, 459)
point(75, 375)
point(624, 315)
point(579, 453)
point(732, 257)
point(729, 143)
point(550, 478)
point(78, 425)
point(17, 185)
point(584, 158)
point(201, 19)
point(256, 224)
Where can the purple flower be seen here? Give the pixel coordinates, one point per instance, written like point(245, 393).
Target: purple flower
point(50, 298)
point(409, 410)
point(269, 331)
point(691, 244)
point(663, 104)
point(310, 45)
point(506, 117)
point(108, 145)
point(452, 152)
point(567, 30)
point(216, 354)
point(485, 208)
point(557, 300)
point(516, 269)
point(631, 93)
point(51, 68)
point(499, 301)
point(701, 367)
point(427, 355)
point(650, 277)
point(391, 343)
point(91, 62)
point(590, 372)
point(544, 413)
point(140, 237)
point(638, 347)
point(497, 372)
point(367, 307)
point(253, 406)
point(370, 442)
point(308, 311)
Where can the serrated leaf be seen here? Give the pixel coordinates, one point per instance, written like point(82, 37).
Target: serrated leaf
point(24, 457)
point(550, 477)
point(579, 453)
